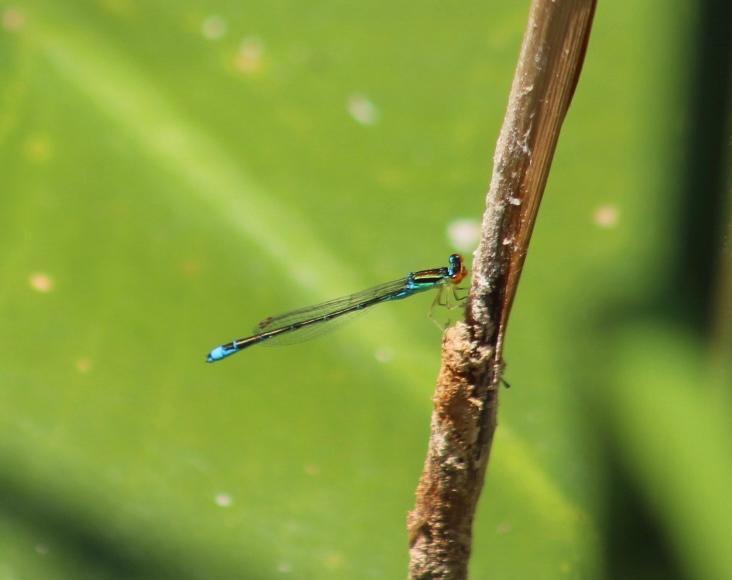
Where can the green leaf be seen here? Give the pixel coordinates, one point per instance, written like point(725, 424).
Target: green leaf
point(172, 173)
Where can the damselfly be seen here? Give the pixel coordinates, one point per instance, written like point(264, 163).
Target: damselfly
point(298, 323)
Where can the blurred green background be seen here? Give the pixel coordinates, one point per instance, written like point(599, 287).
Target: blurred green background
point(171, 172)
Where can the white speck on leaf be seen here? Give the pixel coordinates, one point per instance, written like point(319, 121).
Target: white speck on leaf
point(384, 354)
point(249, 56)
point(213, 27)
point(223, 500)
point(13, 19)
point(83, 365)
point(606, 216)
point(503, 528)
point(41, 549)
point(362, 109)
point(41, 282)
point(464, 234)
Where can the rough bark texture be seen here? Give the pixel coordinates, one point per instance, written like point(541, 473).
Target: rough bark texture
point(466, 396)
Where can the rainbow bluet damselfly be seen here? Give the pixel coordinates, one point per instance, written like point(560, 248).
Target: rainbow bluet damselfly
point(298, 323)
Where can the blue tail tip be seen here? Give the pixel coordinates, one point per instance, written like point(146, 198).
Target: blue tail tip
point(219, 353)
point(216, 354)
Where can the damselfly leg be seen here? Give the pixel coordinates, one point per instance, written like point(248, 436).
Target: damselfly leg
point(449, 297)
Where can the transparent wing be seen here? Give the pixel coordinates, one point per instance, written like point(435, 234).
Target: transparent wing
point(312, 330)
point(329, 308)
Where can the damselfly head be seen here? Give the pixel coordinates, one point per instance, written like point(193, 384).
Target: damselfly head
point(456, 269)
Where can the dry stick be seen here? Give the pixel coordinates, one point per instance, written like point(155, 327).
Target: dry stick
point(466, 396)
